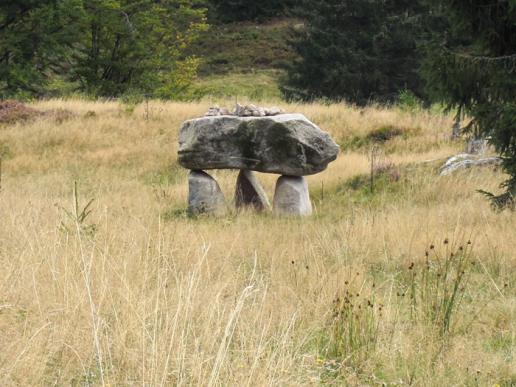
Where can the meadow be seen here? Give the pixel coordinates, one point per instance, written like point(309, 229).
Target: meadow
point(106, 280)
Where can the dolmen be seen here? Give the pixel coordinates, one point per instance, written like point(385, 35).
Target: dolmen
point(251, 139)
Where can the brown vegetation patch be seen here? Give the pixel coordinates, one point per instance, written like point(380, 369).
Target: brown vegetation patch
point(12, 111)
point(60, 115)
point(387, 132)
point(389, 170)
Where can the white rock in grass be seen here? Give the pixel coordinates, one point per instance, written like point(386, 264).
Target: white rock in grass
point(466, 160)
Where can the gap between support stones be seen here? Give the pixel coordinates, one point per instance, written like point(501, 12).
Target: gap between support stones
point(291, 195)
point(249, 192)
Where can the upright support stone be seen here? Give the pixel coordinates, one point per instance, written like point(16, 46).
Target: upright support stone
point(204, 194)
point(291, 196)
point(249, 192)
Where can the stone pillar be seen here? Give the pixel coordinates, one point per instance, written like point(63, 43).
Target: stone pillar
point(204, 195)
point(249, 192)
point(291, 196)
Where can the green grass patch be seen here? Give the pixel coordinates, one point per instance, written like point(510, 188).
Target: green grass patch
point(237, 47)
point(175, 213)
point(167, 175)
point(380, 135)
point(436, 288)
point(387, 180)
point(257, 86)
point(6, 152)
point(503, 342)
point(350, 335)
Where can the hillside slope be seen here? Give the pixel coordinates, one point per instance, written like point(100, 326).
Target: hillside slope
point(244, 58)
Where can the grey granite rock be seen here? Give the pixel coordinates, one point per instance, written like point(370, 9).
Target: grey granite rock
point(465, 160)
point(291, 196)
point(287, 144)
point(204, 195)
point(249, 192)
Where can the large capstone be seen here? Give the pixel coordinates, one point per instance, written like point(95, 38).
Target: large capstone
point(291, 196)
point(204, 194)
point(286, 144)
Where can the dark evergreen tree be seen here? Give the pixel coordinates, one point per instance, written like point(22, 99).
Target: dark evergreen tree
point(356, 50)
point(472, 66)
point(241, 10)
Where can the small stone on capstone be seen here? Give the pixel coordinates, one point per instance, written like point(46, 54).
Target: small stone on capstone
point(273, 111)
point(238, 109)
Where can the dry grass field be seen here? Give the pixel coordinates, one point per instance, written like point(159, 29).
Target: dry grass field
point(410, 284)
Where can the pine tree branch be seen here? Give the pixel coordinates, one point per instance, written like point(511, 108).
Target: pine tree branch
point(481, 58)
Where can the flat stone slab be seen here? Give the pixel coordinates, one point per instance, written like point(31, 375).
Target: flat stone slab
point(291, 196)
point(466, 160)
point(204, 194)
point(286, 144)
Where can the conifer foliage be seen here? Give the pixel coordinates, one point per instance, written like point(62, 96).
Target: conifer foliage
point(472, 66)
point(356, 50)
point(242, 10)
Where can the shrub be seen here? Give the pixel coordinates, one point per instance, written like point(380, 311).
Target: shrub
point(409, 102)
point(351, 334)
point(385, 133)
point(436, 287)
point(380, 135)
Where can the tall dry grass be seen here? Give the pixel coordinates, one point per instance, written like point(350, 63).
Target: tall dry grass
point(137, 293)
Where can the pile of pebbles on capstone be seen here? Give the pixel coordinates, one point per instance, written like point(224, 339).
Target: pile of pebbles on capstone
point(286, 144)
point(244, 111)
